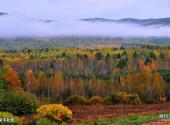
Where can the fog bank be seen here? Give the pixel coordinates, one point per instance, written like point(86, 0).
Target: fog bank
point(18, 26)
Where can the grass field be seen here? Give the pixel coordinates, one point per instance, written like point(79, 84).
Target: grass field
point(131, 119)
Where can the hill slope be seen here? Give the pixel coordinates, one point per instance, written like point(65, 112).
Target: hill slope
point(143, 22)
point(2, 13)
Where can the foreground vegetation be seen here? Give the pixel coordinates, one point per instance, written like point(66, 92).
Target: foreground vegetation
point(131, 119)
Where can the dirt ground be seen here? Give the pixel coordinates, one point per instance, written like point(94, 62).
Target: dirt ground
point(92, 113)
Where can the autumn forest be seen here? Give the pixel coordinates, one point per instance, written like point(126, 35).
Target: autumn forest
point(73, 76)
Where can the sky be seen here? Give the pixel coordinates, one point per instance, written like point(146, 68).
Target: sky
point(25, 17)
point(76, 9)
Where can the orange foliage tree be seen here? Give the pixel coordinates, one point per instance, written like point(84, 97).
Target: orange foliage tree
point(13, 80)
point(41, 87)
point(150, 87)
point(30, 81)
point(58, 84)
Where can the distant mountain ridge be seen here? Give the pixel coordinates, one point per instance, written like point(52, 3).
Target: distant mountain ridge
point(2, 13)
point(143, 22)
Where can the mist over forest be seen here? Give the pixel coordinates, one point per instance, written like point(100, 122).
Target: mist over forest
point(19, 26)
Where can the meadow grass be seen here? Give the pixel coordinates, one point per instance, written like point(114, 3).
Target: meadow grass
point(131, 119)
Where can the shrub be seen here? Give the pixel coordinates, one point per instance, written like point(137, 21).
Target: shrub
point(55, 112)
point(12, 120)
point(73, 100)
point(125, 98)
point(107, 100)
point(134, 99)
point(121, 97)
point(45, 121)
point(162, 100)
point(151, 100)
point(96, 100)
point(19, 103)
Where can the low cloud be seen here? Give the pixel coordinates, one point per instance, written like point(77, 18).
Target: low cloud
point(14, 26)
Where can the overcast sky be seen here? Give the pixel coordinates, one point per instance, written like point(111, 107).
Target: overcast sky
point(76, 9)
point(26, 17)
